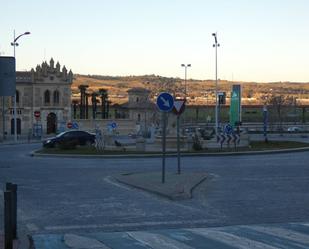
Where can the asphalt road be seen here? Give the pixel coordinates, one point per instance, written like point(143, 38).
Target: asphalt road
point(61, 195)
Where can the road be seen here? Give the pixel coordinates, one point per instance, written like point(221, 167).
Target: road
point(62, 195)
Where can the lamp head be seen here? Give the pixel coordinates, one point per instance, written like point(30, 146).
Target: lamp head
point(214, 34)
point(189, 65)
point(27, 33)
point(183, 65)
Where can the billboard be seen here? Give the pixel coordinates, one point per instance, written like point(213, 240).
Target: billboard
point(7, 76)
point(235, 107)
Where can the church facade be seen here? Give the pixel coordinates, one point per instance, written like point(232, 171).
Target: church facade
point(43, 98)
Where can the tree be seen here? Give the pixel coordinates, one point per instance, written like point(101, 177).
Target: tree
point(277, 102)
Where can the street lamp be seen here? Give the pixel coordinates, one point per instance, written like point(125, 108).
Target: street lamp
point(186, 66)
point(15, 44)
point(216, 45)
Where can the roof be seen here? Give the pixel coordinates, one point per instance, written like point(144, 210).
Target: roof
point(23, 76)
point(139, 90)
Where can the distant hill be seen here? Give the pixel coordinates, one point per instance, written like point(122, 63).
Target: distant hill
point(198, 91)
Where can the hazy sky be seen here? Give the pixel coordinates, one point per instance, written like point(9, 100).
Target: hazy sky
point(264, 40)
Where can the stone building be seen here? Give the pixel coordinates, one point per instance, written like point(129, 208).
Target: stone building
point(140, 108)
point(43, 98)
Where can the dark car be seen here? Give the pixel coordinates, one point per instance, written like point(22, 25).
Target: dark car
point(70, 138)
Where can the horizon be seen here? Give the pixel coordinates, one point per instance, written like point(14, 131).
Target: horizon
point(260, 42)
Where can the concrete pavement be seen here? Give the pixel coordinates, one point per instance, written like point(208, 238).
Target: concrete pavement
point(66, 196)
point(286, 236)
point(175, 187)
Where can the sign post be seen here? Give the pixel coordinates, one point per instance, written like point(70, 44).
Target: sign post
point(179, 107)
point(7, 86)
point(165, 103)
point(265, 121)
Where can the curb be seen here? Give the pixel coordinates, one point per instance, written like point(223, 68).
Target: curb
point(187, 194)
point(157, 155)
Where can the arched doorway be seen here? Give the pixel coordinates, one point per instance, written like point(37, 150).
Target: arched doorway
point(18, 122)
point(51, 123)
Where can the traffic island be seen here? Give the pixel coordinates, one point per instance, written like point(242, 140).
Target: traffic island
point(175, 187)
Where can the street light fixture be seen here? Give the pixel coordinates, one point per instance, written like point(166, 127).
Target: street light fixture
point(186, 66)
point(216, 45)
point(15, 44)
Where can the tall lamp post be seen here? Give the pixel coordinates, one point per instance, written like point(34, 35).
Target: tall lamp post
point(15, 44)
point(186, 66)
point(216, 45)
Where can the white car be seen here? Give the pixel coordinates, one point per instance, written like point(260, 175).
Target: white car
point(294, 129)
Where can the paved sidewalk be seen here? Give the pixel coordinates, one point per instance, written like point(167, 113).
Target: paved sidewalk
point(175, 187)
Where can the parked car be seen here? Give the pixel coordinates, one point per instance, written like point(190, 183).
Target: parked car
point(71, 138)
point(294, 129)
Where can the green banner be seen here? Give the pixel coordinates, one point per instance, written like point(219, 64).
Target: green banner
point(235, 107)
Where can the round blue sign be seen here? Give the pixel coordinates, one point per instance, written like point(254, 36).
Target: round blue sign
point(74, 125)
point(228, 129)
point(165, 102)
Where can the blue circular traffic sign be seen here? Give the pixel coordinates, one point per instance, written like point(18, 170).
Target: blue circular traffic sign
point(165, 102)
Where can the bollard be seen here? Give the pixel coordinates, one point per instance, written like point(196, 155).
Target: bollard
point(13, 188)
point(8, 236)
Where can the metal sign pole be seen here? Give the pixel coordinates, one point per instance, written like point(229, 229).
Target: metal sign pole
point(3, 118)
point(163, 146)
point(265, 120)
point(178, 146)
point(165, 103)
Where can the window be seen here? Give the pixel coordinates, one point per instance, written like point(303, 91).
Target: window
point(46, 97)
point(17, 96)
point(56, 97)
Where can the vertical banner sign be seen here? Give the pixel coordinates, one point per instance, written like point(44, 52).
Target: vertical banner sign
point(235, 107)
point(7, 76)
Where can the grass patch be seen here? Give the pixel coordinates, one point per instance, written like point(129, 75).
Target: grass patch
point(272, 145)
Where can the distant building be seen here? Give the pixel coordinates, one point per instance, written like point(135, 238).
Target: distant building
point(43, 99)
point(139, 108)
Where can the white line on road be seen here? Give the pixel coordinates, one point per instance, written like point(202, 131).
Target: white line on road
point(230, 239)
point(282, 233)
point(110, 180)
point(157, 241)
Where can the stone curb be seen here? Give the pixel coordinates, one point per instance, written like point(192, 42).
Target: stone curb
point(156, 155)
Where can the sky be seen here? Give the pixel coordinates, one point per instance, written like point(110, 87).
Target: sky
point(261, 41)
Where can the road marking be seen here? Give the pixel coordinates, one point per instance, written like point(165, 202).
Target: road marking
point(282, 233)
point(157, 241)
point(77, 241)
point(230, 239)
point(110, 180)
point(124, 225)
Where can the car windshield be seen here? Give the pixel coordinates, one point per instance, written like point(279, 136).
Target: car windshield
point(60, 134)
